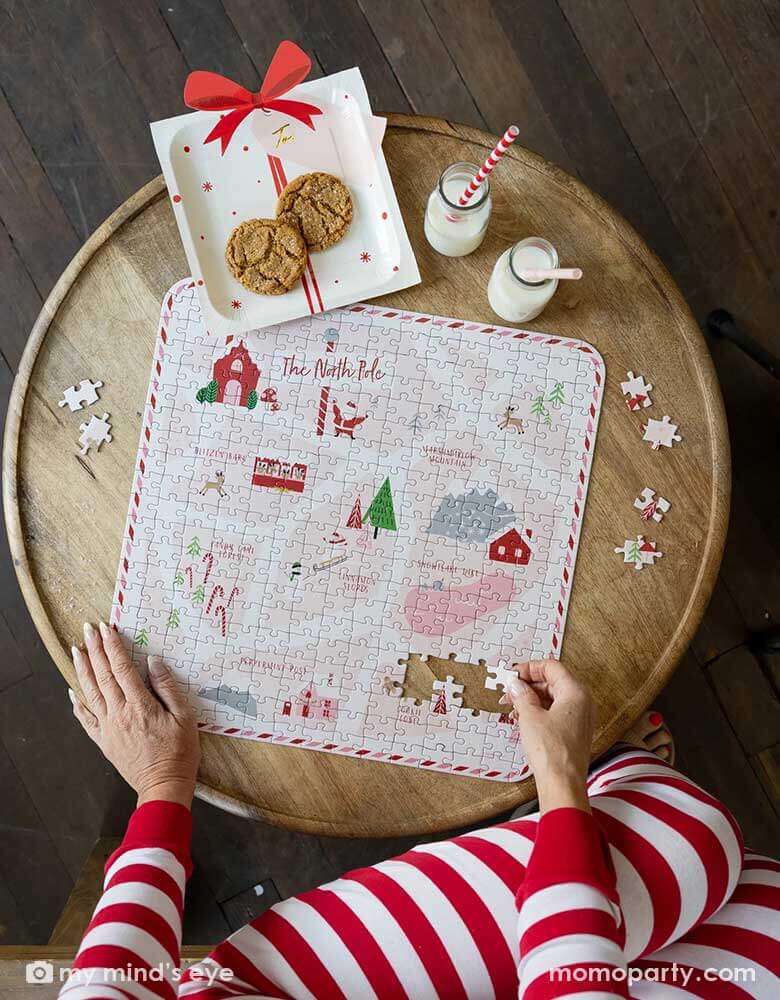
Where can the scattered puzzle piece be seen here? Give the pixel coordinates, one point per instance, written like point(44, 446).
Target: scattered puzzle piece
point(81, 395)
point(639, 552)
point(660, 432)
point(637, 390)
point(94, 433)
point(499, 675)
point(650, 507)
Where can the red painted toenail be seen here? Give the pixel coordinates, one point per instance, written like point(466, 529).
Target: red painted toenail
point(656, 719)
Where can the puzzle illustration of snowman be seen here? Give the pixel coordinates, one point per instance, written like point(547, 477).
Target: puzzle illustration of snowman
point(316, 500)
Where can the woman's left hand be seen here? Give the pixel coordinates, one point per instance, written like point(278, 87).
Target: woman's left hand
point(152, 741)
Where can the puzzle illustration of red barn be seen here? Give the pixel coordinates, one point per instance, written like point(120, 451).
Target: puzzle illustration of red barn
point(236, 376)
point(510, 547)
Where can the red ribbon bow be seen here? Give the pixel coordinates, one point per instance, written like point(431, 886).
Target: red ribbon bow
point(211, 92)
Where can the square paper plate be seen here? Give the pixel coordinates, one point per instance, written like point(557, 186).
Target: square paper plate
point(211, 193)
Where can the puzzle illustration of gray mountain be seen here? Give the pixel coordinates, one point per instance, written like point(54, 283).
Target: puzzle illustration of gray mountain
point(315, 501)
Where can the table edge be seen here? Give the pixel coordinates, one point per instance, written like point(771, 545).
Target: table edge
point(720, 464)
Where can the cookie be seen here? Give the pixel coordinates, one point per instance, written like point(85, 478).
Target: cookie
point(266, 255)
point(322, 206)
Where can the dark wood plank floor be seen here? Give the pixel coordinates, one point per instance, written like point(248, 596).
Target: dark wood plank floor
point(670, 109)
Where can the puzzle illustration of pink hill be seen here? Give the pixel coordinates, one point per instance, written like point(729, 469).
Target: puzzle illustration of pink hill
point(316, 502)
point(436, 612)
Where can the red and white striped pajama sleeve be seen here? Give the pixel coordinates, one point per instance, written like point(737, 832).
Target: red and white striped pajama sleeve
point(455, 919)
point(136, 926)
point(570, 923)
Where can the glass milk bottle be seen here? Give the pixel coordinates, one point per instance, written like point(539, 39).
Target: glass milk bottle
point(513, 298)
point(452, 229)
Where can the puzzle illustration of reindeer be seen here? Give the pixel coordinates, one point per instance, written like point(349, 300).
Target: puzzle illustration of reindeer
point(215, 484)
point(506, 420)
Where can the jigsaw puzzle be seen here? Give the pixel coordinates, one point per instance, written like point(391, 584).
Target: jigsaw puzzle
point(660, 432)
point(94, 433)
point(78, 396)
point(651, 506)
point(317, 503)
point(637, 391)
point(639, 551)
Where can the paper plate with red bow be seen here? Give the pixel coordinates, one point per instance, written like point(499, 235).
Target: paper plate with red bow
point(206, 91)
point(229, 160)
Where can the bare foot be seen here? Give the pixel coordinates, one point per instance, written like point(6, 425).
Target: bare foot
point(651, 733)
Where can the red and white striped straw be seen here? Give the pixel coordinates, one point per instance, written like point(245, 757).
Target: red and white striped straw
point(494, 156)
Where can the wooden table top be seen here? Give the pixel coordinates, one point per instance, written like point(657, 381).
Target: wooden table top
point(626, 630)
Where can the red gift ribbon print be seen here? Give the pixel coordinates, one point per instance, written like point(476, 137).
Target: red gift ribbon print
point(206, 91)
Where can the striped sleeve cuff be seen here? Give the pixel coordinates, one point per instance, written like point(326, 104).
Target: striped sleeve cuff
point(166, 825)
point(569, 847)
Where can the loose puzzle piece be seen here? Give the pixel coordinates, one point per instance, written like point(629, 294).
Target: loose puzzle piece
point(81, 395)
point(639, 552)
point(650, 507)
point(660, 432)
point(94, 433)
point(499, 676)
point(637, 390)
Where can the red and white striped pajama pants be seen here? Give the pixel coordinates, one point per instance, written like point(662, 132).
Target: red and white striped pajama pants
point(654, 884)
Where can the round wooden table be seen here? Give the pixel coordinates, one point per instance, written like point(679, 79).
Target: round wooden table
point(626, 629)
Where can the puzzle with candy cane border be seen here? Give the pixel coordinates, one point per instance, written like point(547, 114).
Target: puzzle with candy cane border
point(318, 500)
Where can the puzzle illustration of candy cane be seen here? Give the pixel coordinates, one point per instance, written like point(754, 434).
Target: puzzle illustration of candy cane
point(221, 613)
point(322, 410)
point(217, 590)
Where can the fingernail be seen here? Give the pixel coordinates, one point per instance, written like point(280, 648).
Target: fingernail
point(75, 653)
point(515, 688)
point(104, 629)
point(156, 666)
point(89, 632)
point(656, 719)
point(72, 697)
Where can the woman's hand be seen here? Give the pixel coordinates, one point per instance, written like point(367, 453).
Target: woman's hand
point(152, 741)
point(555, 715)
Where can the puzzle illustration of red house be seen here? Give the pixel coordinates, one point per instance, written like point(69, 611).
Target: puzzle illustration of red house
point(274, 474)
point(309, 705)
point(236, 376)
point(510, 547)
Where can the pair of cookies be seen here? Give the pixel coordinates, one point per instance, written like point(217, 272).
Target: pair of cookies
point(268, 256)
